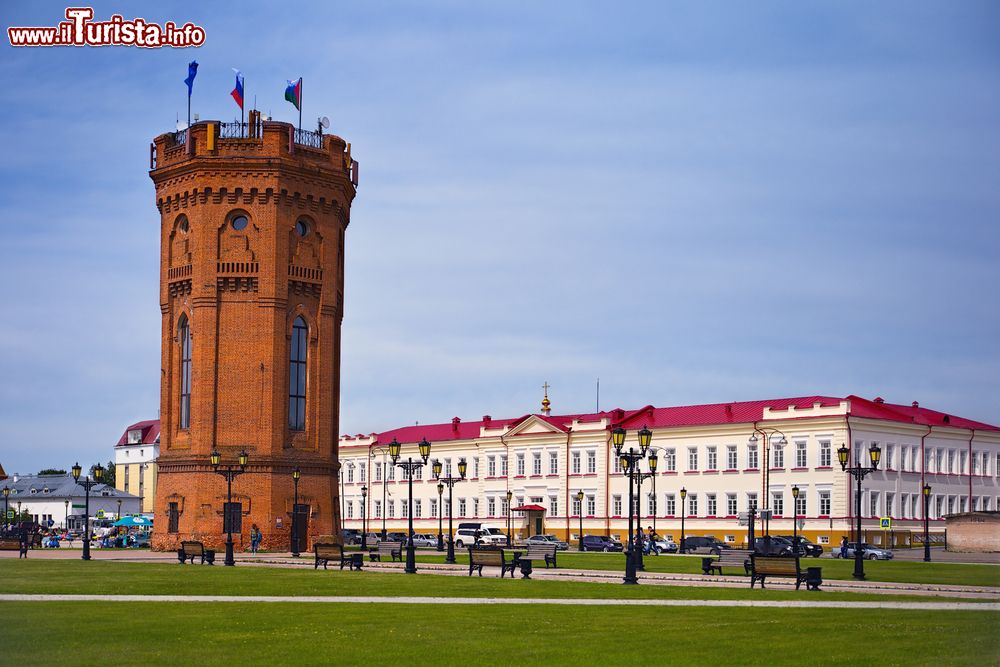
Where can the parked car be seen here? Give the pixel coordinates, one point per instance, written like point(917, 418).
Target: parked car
point(466, 537)
point(704, 544)
point(424, 540)
point(868, 551)
point(396, 537)
point(547, 539)
point(805, 547)
point(600, 543)
point(351, 536)
point(663, 545)
point(772, 546)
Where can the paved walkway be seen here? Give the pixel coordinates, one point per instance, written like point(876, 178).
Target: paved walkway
point(806, 604)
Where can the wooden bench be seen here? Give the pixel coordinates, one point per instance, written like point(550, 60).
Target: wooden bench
point(728, 558)
point(479, 557)
point(192, 550)
point(392, 549)
point(762, 567)
point(15, 545)
point(546, 552)
point(325, 552)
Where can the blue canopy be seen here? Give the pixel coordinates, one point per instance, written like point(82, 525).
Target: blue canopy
point(134, 522)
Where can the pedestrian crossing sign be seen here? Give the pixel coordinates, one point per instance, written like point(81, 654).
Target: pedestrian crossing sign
point(100, 514)
point(886, 523)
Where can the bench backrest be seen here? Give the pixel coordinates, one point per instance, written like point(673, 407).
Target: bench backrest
point(486, 556)
point(389, 547)
point(735, 555)
point(196, 548)
point(540, 551)
point(775, 565)
point(328, 550)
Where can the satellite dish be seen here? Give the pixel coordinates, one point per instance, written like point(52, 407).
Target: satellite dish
point(325, 122)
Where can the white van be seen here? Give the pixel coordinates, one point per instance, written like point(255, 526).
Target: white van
point(479, 533)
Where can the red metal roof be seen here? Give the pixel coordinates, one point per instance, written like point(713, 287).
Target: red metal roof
point(528, 508)
point(150, 432)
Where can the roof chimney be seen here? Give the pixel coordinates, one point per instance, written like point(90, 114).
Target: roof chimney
point(486, 420)
point(915, 404)
point(455, 421)
point(946, 419)
point(879, 400)
point(729, 410)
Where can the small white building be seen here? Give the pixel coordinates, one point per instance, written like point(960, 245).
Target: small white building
point(135, 462)
point(58, 501)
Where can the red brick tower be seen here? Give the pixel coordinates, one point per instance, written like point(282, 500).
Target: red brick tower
point(251, 292)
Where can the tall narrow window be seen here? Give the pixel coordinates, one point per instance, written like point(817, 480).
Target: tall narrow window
point(184, 331)
point(297, 376)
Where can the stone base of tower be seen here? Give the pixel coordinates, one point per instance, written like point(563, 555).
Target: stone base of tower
point(195, 495)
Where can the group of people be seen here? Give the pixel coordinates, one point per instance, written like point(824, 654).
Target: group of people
point(647, 540)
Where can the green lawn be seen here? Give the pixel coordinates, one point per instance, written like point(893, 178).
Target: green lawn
point(833, 568)
point(149, 633)
point(73, 576)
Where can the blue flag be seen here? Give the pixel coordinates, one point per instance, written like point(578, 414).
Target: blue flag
point(192, 72)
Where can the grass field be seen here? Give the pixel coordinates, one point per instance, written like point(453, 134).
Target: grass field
point(66, 576)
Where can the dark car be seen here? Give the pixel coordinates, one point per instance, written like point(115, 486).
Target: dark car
point(772, 546)
point(805, 547)
point(351, 536)
point(395, 537)
point(600, 543)
point(703, 544)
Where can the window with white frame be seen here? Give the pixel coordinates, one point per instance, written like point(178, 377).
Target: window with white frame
point(591, 505)
point(777, 455)
point(692, 504)
point(491, 466)
point(434, 508)
point(713, 458)
point(447, 468)
point(553, 506)
point(800, 454)
point(616, 465)
point(752, 457)
point(536, 463)
point(475, 507)
point(553, 463)
point(520, 465)
point(446, 503)
point(616, 505)
point(904, 506)
point(731, 460)
point(504, 507)
point(751, 501)
point(939, 461)
point(378, 472)
point(576, 463)
point(362, 471)
point(731, 504)
point(712, 505)
point(391, 473)
point(692, 458)
point(391, 508)
point(914, 454)
point(462, 507)
point(577, 506)
point(670, 505)
point(404, 509)
point(825, 458)
point(350, 509)
point(491, 506)
point(651, 504)
point(591, 462)
point(951, 461)
point(350, 473)
point(874, 497)
point(503, 465)
point(913, 506)
point(417, 505)
point(904, 458)
point(889, 503)
point(778, 503)
point(961, 462)
point(670, 460)
point(800, 503)
point(378, 509)
point(890, 449)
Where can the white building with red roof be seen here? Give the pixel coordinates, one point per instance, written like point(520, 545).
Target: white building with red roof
point(727, 457)
point(135, 461)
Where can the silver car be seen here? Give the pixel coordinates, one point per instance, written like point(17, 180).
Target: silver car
point(424, 540)
point(547, 539)
point(869, 552)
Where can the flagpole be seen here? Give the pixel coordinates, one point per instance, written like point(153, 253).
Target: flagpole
point(189, 108)
point(300, 104)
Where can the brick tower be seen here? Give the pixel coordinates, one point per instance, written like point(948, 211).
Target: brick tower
point(252, 223)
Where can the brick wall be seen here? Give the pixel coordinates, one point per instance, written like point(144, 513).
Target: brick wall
point(975, 532)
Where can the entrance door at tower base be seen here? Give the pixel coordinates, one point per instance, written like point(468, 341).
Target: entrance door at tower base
point(300, 517)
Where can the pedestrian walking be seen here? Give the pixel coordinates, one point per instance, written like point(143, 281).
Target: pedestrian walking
point(255, 538)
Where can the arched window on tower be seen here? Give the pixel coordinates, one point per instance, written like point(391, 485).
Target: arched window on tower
point(184, 334)
point(297, 376)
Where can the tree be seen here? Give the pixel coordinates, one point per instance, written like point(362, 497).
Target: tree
point(52, 471)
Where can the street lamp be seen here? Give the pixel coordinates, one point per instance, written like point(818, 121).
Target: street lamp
point(6, 521)
point(450, 483)
point(579, 501)
point(364, 525)
point(927, 537)
point(230, 472)
point(410, 466)
point(440, 508)
point(684, 494)
point(296, 475)
point(859, 472)
point(119, 508)
point(795, 520)
point(630, 465)
point(767, 434)
point(87, 483)
point(509, 494)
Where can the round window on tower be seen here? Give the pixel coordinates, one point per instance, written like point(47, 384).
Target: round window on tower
point(239, 222)
point(302, 227)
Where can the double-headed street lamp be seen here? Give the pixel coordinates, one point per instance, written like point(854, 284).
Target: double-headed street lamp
point(449, 481)
point(296, 475)
point(859, 472)
point(684, 494)
point(767, 434)
point(87, 483)
point(927, 536)
point(440, 507)
point(364, 525)
point(230, 472)
point(630, 465)
point(410, 466)
point(579, 501)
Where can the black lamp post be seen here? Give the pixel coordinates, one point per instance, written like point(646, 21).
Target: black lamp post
point(684, 495)
point(630, 465)
point(450, 483)
point(579, 500)
point(87, 483)
point(119, 509)
point(927, 535)
point(230, 472)
point(6, 521)
point(410, 466)
point(795, 520)
point(364, 525)
point(509, 494)
point(296, 475)
point(859, 472)
point(765, 515)
point(437, 471)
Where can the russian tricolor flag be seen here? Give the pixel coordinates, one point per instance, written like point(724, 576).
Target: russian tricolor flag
point(238, 90)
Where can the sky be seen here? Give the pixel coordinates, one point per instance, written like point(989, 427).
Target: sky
point(695, 202)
